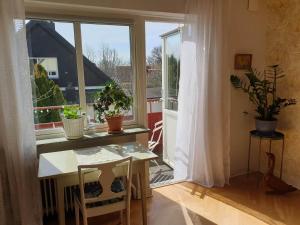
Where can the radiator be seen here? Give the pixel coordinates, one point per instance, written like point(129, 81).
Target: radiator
point(49, 190)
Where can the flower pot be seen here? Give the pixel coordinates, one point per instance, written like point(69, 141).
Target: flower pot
point(73, 128)
point(114, 123)
point(266, 126)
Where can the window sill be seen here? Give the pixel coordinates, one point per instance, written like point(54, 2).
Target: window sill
point(88, 140)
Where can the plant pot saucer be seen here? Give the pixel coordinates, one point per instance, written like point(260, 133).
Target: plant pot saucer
point(115, 132)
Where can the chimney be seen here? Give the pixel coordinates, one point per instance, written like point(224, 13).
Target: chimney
point(52, 25)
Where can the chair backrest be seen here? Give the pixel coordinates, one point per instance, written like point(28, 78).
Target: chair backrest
point(106, 178)
point(158, 128)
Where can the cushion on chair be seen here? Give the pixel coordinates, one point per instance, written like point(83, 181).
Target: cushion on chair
point(92, 190)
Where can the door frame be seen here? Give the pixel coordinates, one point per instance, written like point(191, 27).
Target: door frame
point(166, 112)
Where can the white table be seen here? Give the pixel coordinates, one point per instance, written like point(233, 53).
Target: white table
point(62, 166)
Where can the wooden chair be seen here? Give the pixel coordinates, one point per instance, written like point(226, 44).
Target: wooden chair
point(111, 193)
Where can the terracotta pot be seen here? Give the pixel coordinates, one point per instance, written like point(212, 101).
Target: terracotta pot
point(114, 123)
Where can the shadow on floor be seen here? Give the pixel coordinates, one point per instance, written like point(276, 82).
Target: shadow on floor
point(161, 211)
point(247, 193)
point(160, 172)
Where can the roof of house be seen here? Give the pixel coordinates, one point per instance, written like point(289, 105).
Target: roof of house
point(44, 41)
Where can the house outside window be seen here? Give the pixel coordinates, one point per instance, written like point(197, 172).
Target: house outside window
point(49, 63)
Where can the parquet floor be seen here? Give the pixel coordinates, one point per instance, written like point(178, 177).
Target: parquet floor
point(241, 203)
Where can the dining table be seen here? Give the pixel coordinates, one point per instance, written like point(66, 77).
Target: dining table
point(62, 166)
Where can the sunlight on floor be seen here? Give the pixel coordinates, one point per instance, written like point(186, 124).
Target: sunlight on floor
point(205, 208)
point(241, 203)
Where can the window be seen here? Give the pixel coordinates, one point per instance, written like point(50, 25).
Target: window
point(107, 56)
point(172, 68)
point(54, 58)
point(49, 64)
point(154, 32)
point(53, 70)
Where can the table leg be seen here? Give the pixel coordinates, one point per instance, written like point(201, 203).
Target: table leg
point(282, 151)
point(270, 146)
point(60, 201)
point(259, 155)
point(143, 193)
point(249, 149)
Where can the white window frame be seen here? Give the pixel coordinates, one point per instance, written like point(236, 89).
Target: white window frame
point(51, 76)
point(80, 69)
point(138, 50)
point(164, 66)
point(58, 132)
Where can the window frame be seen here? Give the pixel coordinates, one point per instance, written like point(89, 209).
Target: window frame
point(70, 12)
point(82, 96)
point(165, 81)
point(139, 117)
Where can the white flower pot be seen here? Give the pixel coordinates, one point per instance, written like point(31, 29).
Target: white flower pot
point(73, 127)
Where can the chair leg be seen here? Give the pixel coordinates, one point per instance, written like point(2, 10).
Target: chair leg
point(128, 215)
point(121, 217)
point(85, 221)
point(77, 213)
point(158, 166)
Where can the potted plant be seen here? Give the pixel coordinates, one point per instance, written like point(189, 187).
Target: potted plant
point(73, 122)
point(262, 91)
point(110, 104)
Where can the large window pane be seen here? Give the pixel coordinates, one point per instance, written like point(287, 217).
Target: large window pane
point(154, 32)
point(53, 69)
point(172, 49)
point(107, 56)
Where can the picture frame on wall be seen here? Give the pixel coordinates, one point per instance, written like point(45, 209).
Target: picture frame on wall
point(243, 61)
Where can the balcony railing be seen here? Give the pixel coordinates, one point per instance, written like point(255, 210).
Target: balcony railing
point(153, 105)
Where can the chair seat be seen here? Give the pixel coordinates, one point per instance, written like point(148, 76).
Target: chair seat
point(92, 190)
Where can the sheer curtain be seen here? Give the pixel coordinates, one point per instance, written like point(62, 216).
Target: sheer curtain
point(202, 143)
point(19, 187)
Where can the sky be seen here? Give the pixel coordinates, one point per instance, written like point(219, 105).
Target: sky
point(95, 36)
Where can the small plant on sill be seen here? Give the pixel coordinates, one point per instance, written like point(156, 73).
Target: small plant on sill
point(110, 104)
point(73, 122)
point(71, 112)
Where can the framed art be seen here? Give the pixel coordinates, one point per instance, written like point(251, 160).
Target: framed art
point(243, 61)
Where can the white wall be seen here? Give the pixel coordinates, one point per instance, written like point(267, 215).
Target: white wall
point(248, 33)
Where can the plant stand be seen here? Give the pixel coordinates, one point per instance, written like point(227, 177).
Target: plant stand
point(271, 137)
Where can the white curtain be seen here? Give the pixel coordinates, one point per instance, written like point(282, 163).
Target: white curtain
point(19, 187)
point(202, 143)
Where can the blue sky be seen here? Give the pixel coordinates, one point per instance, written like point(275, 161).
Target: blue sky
point(153, 32)
point(94, 36)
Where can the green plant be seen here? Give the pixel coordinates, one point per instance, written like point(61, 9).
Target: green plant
point(72, 112)
point(262, 91)
point(45, 93)
point(111, 101)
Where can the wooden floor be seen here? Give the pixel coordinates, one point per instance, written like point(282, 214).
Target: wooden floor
point(241, 203)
